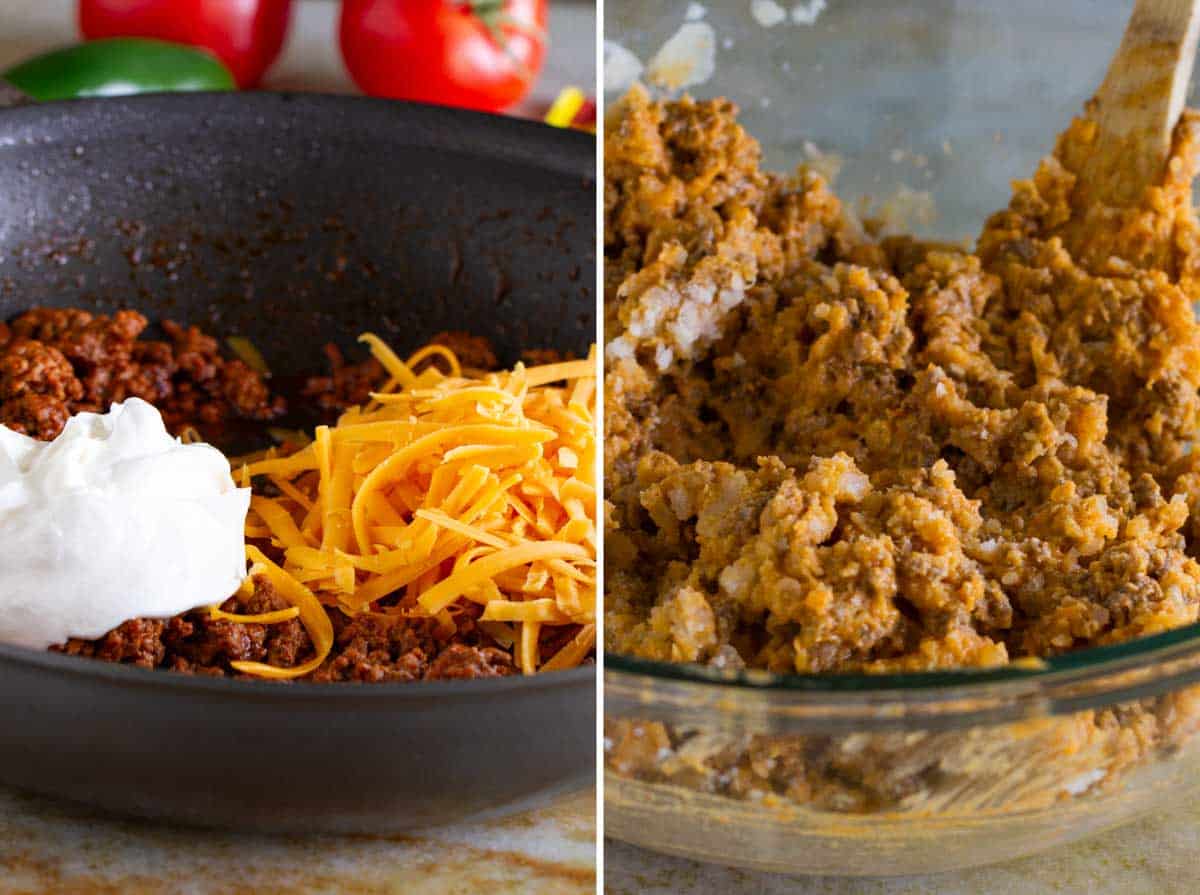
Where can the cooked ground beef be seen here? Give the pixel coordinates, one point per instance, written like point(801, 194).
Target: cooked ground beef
point(348, 385)
point(369, 647)
point(55, 362)
point(58, 362)
point(831, 452)
point(473, 352)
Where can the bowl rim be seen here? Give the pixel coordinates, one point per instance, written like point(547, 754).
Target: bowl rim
point(1085, 679)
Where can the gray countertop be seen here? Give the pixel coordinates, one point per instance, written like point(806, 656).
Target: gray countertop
point(1156, 856)
point(58, 849)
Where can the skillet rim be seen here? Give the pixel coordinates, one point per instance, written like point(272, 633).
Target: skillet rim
point(155, 678)
point(564, 151)
point(572, 152)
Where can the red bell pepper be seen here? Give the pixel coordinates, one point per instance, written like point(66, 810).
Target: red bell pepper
point(478, 54)
point(247, 35)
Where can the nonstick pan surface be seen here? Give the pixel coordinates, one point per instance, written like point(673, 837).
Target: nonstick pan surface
point(295, 220)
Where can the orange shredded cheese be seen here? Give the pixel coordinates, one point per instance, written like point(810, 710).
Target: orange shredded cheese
point(312, 614)
point(575, 651)
point(444, 492)
point(262, 618)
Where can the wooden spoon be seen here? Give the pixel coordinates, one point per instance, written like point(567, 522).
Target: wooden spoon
point(1139, 103)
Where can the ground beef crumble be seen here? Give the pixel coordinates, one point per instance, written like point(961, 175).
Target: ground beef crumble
point(827, 451)
point(350, 384)
point(370, 647)
point(58, 362)
point(831, 452)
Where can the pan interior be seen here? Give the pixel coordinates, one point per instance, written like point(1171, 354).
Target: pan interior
point(296, 220)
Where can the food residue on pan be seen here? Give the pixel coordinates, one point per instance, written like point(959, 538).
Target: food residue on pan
point(827, 164)
point(621, 67)
point(807, 13)
point(904, 209)
point(686, 59)
point(768, 13)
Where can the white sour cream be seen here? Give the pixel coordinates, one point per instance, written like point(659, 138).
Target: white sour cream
point(113, 520)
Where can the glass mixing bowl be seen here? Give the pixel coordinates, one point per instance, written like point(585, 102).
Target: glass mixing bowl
point(942, 103)
point(953, 98)
point(898, 774)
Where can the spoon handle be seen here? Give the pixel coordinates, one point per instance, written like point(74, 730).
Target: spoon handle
point(1140, 101)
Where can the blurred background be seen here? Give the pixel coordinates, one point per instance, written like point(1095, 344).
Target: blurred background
point(927, 107)
point(373, 51)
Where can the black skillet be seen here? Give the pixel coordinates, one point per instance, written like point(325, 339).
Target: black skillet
point(296, 220)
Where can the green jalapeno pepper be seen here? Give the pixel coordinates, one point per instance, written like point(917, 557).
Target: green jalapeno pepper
point(119, 66)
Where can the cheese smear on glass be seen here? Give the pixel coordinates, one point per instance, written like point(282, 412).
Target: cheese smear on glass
point(114, 519)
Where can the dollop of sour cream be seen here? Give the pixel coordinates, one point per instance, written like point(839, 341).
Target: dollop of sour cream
point(114, 519)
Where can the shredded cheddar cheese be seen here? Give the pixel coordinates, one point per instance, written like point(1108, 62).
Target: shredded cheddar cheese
point(312, 614)
point(442, 493)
